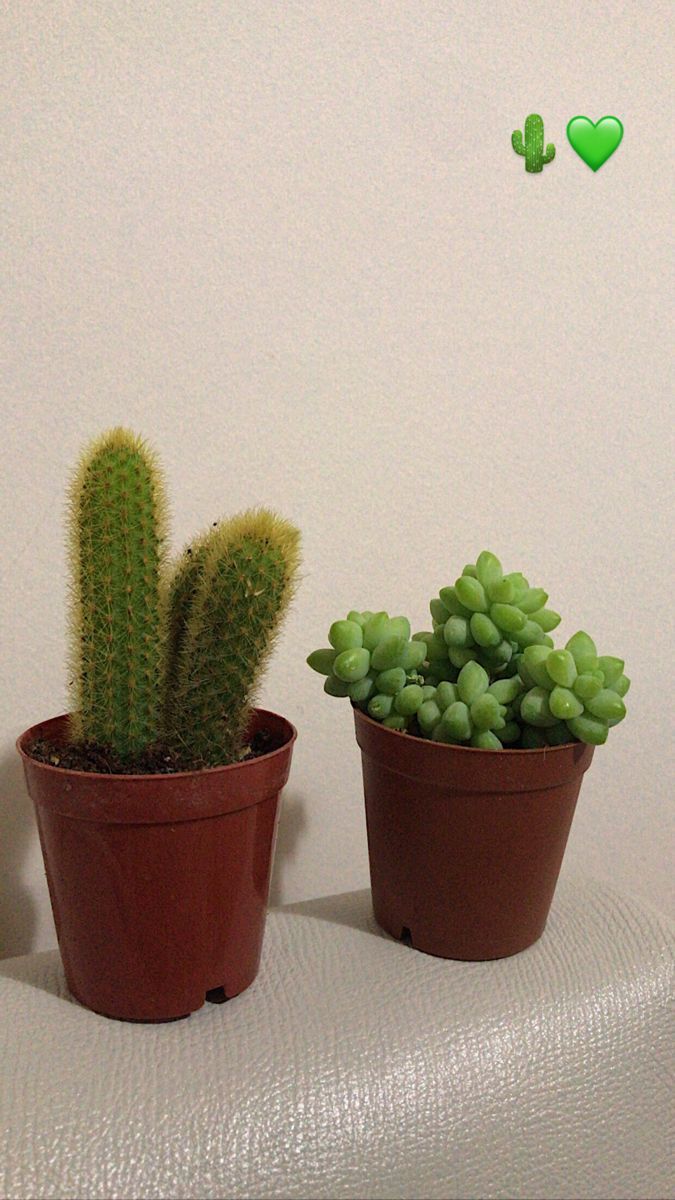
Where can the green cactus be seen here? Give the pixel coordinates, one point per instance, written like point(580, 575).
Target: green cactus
point(167, 662)
point(533, 149)
point(117, 518)
point(238, 592)
point(182, 589)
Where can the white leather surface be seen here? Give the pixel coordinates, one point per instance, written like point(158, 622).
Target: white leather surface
point(356, 1067)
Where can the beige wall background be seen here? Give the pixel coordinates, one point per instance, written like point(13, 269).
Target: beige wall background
point(290, 243)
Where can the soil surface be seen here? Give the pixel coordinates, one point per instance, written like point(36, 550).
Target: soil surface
point(156, 760)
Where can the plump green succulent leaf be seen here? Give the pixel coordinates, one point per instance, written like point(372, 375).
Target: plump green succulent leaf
point(583, 650)
point(414, 654)
point(607, 705)
point(380, 706)
point(473, 681)
point(535, 708)
point(322, 660)
point(612, 669)
point(450, 600)
point(587, 685)
point(565, 704)
point(488, 570)
point(391, 681)
point(589, 729)
point(351, 665)
point(346, 635)
point(428, 716)
point(561, 667)
point(333, 686)
point(471, 593)
point(408, 700)
point(622, 685)
point(374, 629)
point(457, 632)
point(362, 689)
point(485, 739)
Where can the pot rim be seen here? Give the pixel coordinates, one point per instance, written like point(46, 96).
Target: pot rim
point(201, 772)
point(544, 751)
point(469, 768)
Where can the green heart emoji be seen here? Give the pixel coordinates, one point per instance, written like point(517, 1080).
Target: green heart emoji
point(594, 143)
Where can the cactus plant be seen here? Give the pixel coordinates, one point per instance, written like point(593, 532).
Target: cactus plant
point(487, 674)
point(240, 587)
point(533, 148)
point(159, 659)
point(182, 587)
point(117, 520)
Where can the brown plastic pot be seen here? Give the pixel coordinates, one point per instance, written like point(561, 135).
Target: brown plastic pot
point(465, 845)
point(159, 883)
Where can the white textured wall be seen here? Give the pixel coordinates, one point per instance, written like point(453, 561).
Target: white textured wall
point(291, 244)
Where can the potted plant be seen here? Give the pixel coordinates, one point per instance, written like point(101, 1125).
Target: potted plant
point(474, 738)
point(156, 798)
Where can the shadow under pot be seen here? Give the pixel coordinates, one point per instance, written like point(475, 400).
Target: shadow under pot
point(465, 845)
point(159, 883)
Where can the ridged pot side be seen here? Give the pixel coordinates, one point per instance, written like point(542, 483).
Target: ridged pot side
point(159, 883)
point(465, 845)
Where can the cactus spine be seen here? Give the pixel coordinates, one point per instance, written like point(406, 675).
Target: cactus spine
point(117, 517)
point(230, 605)
point(182, 590)
point(533, 149)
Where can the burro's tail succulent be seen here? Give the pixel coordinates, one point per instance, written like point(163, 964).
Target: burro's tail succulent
point(486, 675)
point(227, 599)
point(116, 528)
point(533, 147)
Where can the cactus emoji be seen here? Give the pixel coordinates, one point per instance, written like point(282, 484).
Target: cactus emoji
point(227, 609)
point(117, 516)
point(533, 149)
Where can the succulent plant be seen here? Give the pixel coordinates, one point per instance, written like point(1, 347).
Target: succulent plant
point(227, 605)
point(532, 146)
point(574, 687)
point(487, 675)
point(167, 658)
point(489, 617)
point(116, 528)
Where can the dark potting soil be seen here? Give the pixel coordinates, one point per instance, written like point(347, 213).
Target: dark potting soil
point(156, 760)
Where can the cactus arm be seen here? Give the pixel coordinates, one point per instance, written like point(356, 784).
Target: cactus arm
point(248, 579)
point(182, 588)
point(550, 153)
point(517, 142)
point(117, 617)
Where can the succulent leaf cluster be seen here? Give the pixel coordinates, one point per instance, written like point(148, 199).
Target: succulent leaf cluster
point(489, 618)
point(167, 654)
point(487, 675)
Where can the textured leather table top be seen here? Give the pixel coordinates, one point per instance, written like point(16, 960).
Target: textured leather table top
point(357, 1067)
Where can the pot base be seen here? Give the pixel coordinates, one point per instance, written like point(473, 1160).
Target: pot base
point(427, 945)
point(216, 995)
